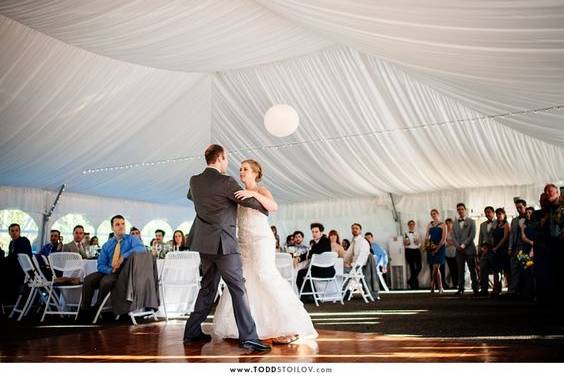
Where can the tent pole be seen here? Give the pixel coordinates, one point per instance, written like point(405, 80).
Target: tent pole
point(47, 215)
point(396, 216)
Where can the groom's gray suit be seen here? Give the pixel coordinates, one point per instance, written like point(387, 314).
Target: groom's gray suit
point(213, 235)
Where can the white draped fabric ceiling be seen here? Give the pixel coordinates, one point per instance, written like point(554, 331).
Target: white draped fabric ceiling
point(393, 96)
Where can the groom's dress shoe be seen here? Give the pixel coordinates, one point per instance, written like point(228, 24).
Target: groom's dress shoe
point(254, 344)
point(198, 339)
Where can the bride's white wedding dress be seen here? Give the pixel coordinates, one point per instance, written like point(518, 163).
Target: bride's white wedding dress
point(276, 309)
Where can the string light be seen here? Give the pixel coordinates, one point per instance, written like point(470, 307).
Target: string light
point(535, 111)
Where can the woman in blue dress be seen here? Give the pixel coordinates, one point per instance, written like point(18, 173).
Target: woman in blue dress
point(435, 247)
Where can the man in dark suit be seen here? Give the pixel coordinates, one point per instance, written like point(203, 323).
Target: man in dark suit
point(213, 236)
point(320, 244)
point(487, 256)
point(12, 273)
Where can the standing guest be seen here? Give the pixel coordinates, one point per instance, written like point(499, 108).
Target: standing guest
point(13, 275)
point(552, 233)
point(515, 245)
point(380, 255)
point(113, 254)
point(178, 241)
point(501, 246)
point(436, 235)
point(276, 236)
point(488, 263)
point(346, 244)
point(464, 233)
point(77, 245)
point(321, 245)
point(528, 232)
point(412, 243)
point(336, 243)
point(450, 253)
point(54, 244)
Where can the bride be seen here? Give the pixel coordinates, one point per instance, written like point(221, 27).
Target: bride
point(277, 311)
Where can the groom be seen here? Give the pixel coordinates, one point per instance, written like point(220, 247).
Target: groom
point(213, 236)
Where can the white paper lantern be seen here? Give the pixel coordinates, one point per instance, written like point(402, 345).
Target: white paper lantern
point(281, 120)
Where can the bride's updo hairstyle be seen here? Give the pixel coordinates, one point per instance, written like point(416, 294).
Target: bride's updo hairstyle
point(256, 167)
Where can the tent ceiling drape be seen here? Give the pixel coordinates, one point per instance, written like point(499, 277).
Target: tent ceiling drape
point(386, 93)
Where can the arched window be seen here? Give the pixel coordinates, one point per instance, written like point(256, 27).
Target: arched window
point(66, 223)
point(28, 226)
point(185, 227)
point(148, 231)
point(105, 229)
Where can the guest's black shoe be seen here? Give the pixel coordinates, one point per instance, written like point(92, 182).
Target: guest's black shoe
point(459, 292)
point(197, 339)
point(85, 316)
point(255, 345)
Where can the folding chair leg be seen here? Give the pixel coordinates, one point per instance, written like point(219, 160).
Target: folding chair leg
point(27, 304)
point(78, 307)
point(47, 305)
point(133, 319)
point(381, 278)
point(15, 309)
point(338, 290)
point(99, 311)
point(314, 292)
point(365, 288)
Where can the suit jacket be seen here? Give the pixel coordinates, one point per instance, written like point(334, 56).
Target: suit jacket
point(486, 236)
point(71, 247)
point(322, 246)
point(515, 240)
point(20, 245)
point(214, 199)
point(465, 235)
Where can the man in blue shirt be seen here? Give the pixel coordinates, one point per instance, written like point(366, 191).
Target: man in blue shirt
point(380, 255)
point(112, 255)
point(53, 246)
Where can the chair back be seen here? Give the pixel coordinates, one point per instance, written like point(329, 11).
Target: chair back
point(40, 273)
point(181, 267)
point(69, 263)
point(361, 260)
point(27, 267)
point(284, 263)
point(324, 260)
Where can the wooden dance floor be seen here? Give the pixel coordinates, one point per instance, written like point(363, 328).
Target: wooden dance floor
point(398, 328)
point(161, 342)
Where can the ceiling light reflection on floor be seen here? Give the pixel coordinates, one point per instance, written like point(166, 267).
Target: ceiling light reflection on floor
point(364, 313)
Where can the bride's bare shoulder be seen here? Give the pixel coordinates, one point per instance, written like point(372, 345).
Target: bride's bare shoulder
point(264, 191)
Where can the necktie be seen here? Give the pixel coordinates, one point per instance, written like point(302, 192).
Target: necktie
point(117, 251)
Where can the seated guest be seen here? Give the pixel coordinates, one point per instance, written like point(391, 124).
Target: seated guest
point(12, 274)
point(94, 241)
point(336, 243)
point(157, 243)
point(178, 241)
point(299, 247)
point(289, 243)
point(112, 256)
point(159, 236)
point(321, 245)
point(276, 237)
point(135, 232)
point(54, 244)
point(380, 255)
point(359, 247)
point(76, 245)
point(346, 244)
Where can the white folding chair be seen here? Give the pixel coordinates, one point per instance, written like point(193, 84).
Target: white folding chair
point(285, 265)
point(354, 280)
point(69, 263)
point(180, 282)
point(323, 260)
point(33, 282)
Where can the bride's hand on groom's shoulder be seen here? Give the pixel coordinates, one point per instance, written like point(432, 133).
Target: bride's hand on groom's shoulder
point(244, 194)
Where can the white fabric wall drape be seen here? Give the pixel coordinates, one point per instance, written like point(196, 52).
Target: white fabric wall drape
point(339, 93)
